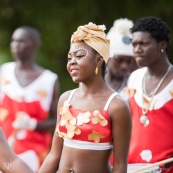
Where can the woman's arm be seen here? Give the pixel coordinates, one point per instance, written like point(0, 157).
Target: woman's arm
point(121, 129)
point(9, 161)
point(51, 163)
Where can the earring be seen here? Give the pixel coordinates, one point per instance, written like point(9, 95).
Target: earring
point(162, 50)
point(96, 70)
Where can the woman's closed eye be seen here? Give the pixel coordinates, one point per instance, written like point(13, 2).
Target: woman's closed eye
point(76, 55)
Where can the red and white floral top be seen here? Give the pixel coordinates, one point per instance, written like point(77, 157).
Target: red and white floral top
point(86, 126)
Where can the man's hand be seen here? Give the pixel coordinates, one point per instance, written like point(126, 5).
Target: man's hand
point(24, 121)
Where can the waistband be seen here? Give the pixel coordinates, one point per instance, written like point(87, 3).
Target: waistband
point(87, 145)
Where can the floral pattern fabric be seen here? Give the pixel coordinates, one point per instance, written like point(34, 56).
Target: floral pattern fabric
point(34, 100)
point(84, 125)
point(152, 142)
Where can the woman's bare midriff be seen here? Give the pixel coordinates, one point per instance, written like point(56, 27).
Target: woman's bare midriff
point(84, 161)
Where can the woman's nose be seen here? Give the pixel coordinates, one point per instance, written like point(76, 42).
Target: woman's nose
point(72, 60)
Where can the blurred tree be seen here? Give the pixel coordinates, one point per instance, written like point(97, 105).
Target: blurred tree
point(57, 20)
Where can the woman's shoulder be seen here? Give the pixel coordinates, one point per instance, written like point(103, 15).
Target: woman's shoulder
point(119, 107)
point(65, 96)
point(119, 101)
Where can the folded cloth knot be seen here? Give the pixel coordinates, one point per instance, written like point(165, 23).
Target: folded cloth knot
point(94, 36)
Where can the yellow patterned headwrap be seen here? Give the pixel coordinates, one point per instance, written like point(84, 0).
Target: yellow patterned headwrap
point(94, 36)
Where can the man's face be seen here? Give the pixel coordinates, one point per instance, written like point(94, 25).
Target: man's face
point(120, 65)
point(22, 45)
point(146, 49)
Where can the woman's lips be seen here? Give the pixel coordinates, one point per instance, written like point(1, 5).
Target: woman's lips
point(74, 72)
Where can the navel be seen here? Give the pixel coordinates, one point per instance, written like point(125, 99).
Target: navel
point(71, 171)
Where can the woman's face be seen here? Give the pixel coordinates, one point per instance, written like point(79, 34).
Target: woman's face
point(81, 62)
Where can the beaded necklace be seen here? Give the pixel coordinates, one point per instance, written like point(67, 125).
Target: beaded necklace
point(143, 119)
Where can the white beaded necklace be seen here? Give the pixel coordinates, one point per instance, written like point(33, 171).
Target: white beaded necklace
point(143, 119)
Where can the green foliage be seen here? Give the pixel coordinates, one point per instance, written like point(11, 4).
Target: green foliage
point(57, 20)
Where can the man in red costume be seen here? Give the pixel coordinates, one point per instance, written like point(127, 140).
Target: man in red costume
point(28, 99)
point(151, 95)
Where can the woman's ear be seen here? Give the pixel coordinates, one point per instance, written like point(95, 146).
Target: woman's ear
point(99, 59)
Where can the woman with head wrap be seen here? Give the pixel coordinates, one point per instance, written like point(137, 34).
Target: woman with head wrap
point(92, 119)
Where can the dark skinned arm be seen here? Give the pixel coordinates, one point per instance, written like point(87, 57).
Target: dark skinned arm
point(9, 161)
point(121, 128)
